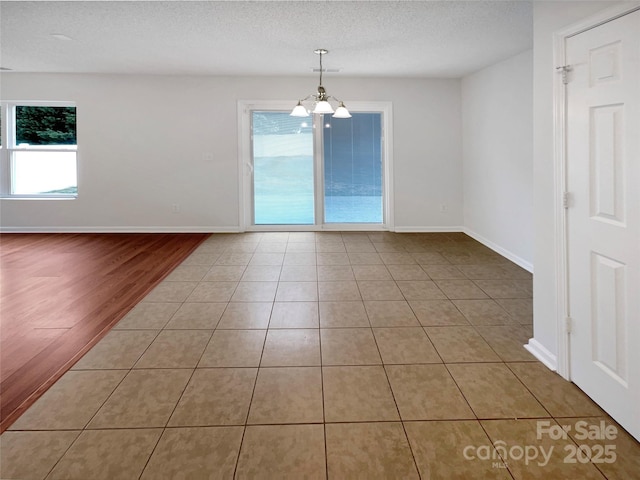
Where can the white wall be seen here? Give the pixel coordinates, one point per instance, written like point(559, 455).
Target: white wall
point(147, 142)
point(497, 132)
point(549, 17)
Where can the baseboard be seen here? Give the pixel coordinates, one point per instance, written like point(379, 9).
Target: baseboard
point(200, 229)
point(528, 266)
point(428, 229)
point(541, 353)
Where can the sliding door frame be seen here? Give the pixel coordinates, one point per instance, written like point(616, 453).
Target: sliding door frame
point(245, 168)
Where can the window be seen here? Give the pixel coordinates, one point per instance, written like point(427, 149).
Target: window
point(39, 149)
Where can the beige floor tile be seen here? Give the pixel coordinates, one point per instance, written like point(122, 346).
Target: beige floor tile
point(197, 258)
point(343, 314)
point(494, 392)
point(234, 348)
point(119, 349)
point(503, 288)
point(196, 316)
point(175, 349)
point(330, 247)
point(267, 259)
point(145, 398)
point(626, 462)
point(439, 450)
point(371, 272)
point(437, 313)
point(483, 312)
point(363, 258)
point(349, 346)
point(299, 273)
point(300, 258)
point(485, 272)
point(243, 247)
point(420, 290)
point(224, 273)
point(187, 273)
point(461, 344)
point(215, 396)
point(71, 402)
point(246, 315)
point(508, 342)
point(271, 247)
point(153, 316)
point(524, 433)
point(171, 292)
point(338, 291)
point(307, 246)
point(390, 313)
point(31, 455)
point(334, 273)
point(560, 397)
point(298, 347)
point(388, 247)
point(287, 395)
point(363, 246)
point(294, 315)
point(427, 392)
point(443, 272)
point(397, 258)
point(297, 292)
point(357, 394)
point(369, 450)
point(407, 272)
point(520, 309)
point(403, 345)
point(282, 451)
point(212, 292)
point(332, 258)
point(460, 289)
point(379, 290)
point(255, 292)
point(234, 258)
point(430, 258)
point(302, 237)
point(107, 454)
point(261, 273)
point(195, 453)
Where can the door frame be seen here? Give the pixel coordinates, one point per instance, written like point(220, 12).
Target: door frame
point(561, 247)
point(245, 221)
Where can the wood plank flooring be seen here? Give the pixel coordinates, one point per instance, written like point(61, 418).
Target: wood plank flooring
point(61, 293)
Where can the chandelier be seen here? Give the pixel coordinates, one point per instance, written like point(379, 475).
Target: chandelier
point(321, 98)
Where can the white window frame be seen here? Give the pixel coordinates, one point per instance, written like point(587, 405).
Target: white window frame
point(245, 107)
point(9, 147)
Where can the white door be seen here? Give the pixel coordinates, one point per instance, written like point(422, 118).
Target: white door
point(603, 180)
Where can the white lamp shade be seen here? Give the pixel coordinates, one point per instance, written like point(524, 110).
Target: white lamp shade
point(299, 111)
point(323, 107)
point(342, 112)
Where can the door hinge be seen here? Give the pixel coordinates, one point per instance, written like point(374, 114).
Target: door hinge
point(564, 71)
point(566, 200)
point(568, 324)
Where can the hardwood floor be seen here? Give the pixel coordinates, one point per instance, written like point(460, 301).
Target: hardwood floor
point(61, 293)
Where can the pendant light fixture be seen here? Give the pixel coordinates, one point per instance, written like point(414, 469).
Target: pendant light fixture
point(321, 98)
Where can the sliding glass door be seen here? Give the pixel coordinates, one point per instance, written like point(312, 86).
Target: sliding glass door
point(315, 171)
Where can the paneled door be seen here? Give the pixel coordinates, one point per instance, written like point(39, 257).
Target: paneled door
point(603, 181)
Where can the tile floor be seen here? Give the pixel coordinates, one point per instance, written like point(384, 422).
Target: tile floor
point(319, 355)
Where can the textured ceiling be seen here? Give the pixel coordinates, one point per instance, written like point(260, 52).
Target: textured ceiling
point(366, 38)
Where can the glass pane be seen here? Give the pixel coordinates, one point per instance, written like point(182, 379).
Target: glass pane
point(353, 169)
point(45, 125)
point(283, 192)
point(44, 173)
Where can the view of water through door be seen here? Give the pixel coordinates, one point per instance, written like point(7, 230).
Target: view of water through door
point(286, 163)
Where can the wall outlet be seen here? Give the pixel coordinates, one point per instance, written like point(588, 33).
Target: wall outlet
point(175, 208)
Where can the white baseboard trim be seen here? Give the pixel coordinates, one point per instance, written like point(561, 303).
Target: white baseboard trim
point(115, 229)
point(528, 266)
point(541, 353)
point(428, 229)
